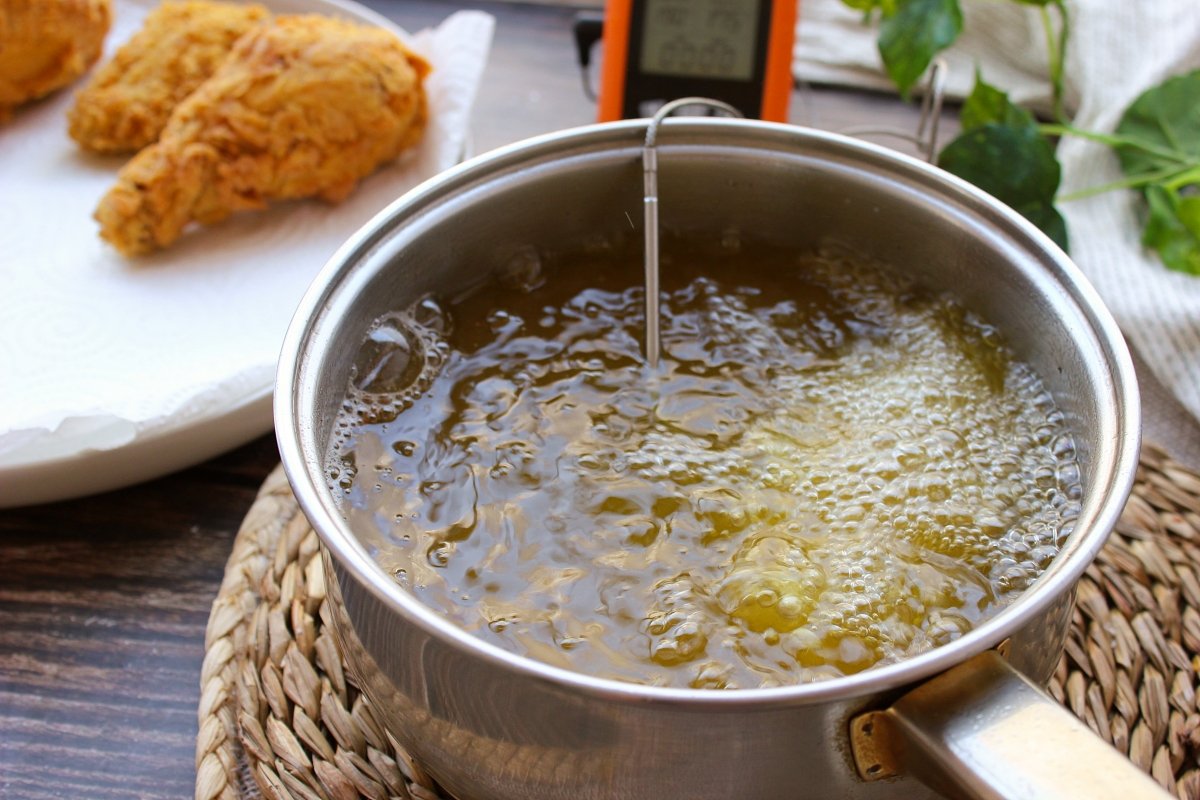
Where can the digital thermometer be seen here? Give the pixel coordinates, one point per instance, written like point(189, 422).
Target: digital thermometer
point(738, 51)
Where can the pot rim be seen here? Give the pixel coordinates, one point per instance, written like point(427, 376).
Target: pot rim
point(1117, 455)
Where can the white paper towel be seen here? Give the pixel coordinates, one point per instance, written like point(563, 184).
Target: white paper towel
point(1115, 52)
point(96, 351)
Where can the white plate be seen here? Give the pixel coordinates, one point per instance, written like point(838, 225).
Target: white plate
point(115, 371)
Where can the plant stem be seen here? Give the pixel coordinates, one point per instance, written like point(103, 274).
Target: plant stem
point(1054, 53)
point(1063, 34)
point(1129, 182)
point(1184, 178)
point(1113, 141)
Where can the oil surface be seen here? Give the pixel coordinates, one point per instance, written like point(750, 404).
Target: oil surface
point(831, 469)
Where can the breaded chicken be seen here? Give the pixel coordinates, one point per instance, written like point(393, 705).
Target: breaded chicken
point(127, 102)
point(46, 44)
point(305, 106)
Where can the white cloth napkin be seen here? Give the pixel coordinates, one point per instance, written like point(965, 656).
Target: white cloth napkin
point(1115, 52)
point(97, 352)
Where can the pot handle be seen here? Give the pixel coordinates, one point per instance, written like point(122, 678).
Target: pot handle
point(983, 730)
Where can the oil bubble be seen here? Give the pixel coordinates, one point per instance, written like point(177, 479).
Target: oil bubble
point(390, 359)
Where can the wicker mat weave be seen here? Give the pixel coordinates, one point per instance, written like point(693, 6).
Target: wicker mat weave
point(280, 719)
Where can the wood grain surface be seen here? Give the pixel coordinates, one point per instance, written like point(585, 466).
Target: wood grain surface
point(104, 601)
point(103, 604)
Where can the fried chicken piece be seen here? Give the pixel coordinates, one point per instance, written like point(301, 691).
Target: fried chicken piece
point(306, 106)
point(127, 102)
point(46, 44)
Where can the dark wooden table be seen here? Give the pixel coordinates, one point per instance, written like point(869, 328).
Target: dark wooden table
point(104, 601)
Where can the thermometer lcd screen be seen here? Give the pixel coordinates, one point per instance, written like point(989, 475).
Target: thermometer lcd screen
point(700, 38)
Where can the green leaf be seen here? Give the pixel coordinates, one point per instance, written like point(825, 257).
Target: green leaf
point(868, 7)
point(1158, 138)
point(914, 34)
point(1162, 127)
point(1010, 159)
point(987, 104)
point(1045, 216)
point(1014, 164)
point(1188, 211)
point(1173, 229)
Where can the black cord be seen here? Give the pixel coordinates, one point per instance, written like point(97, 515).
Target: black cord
point(588, 29)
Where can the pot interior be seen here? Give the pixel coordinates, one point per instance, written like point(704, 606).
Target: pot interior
point(777, 184)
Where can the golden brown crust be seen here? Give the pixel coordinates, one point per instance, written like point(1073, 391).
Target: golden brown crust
point(127, 102)
point(46, 44)
point(303, 107)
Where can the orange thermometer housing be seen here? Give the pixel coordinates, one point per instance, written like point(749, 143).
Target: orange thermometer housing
point(739, 51)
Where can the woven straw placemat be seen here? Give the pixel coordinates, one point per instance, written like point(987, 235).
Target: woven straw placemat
point(280, 718)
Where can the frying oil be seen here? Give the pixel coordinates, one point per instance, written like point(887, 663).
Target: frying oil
point(831, 468)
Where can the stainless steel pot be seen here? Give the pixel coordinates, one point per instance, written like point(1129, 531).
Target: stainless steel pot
point(490, 724)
